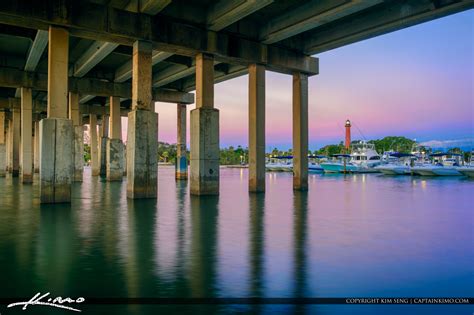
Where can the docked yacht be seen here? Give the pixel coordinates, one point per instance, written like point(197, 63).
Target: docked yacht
point(398, 164)
point(443, 164)
point(363, 159)
point(340, 163)
point(468, 170)
point(314, 163)
point(279, 164)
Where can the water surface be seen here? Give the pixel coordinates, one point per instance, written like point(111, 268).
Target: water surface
point(348, 236)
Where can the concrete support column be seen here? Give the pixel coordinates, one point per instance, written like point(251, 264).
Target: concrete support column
point(95, 165)
point(103, 136)
point(15, 143)
point(36, 157)
point(300, 131)
point(56, 131)
point(114, 163)
point(26, 135)
point(256, 128)
point(75, 116)
point(8, 139)
point(181, 159)
point(3, 149)
point(142, 138)
point(204, 131)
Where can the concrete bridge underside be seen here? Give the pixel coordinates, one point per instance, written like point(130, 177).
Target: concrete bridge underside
point(66, 63)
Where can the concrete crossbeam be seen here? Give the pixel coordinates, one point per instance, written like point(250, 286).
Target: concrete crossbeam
point(124, 72)
point(227, 12)
point(105, 23)
point(93, 55)
point(308, 16)
point(17, 78)
point(36, 50)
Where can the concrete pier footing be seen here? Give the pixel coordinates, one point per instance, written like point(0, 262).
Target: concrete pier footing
point(114, 159)
point(142, 154)
point(204, 151)
point(56, 160)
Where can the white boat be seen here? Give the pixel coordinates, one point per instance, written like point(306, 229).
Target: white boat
point(399, 164)
point(314, 163)
point(440, 166)
point(279, 164)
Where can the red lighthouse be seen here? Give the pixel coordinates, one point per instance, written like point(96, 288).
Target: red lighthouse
point(348, 134)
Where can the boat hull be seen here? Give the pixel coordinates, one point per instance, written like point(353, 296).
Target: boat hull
point(338, 168)
point(467, 171)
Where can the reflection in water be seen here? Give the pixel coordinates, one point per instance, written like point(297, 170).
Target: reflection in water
point(300, 218)
point(257, 243)
point(203, 256)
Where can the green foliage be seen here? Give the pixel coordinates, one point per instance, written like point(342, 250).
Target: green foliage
point(398, 144)
point(166, 152)
point(332, 149)
point(87, 153)
point(231, 156)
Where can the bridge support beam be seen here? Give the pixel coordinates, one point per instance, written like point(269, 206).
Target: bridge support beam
point(8, 146)
point(26, 144)
point(56, 131)
point(15, 143)
point(103, 137)
point(3, 146)
point(95, 165)
point(181, 159)
point(300, 131)
point(256, 128)
point(204, 131)
point(26, 136)
point(142, 138)
point(36, 145)
point(114, 143)
point(75, 116)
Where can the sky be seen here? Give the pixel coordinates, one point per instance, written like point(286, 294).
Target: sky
point(416, 82)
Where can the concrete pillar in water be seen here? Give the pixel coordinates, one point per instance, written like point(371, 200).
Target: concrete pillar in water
point(3, 149)
point(8, 140)
point(181, 159)
point(95, 165)
point(36, 147)
point(56, 131)
point(142, 138)
point(26, 136)
point(256, 128)
point(15, 142)
point(114, 167)
point(204, 131)
point(300, 131)
point(76, 117)
point(103, 136)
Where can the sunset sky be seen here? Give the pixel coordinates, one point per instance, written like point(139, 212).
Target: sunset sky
point(416, 82)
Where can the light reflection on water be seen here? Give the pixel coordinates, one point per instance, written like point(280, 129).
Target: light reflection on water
point(350, 235)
